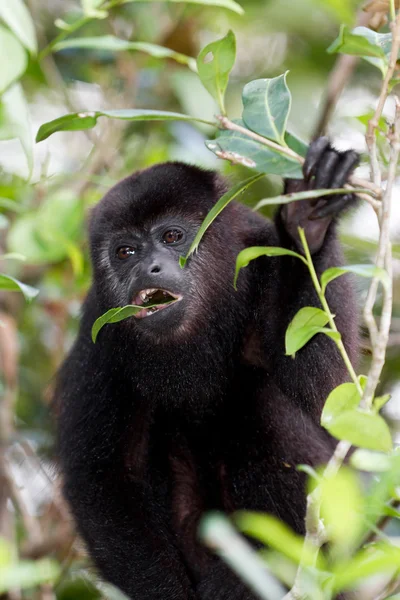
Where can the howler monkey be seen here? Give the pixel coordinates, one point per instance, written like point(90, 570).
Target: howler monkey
point(193, 405)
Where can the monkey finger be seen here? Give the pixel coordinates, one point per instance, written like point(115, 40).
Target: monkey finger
point(331, 208)
point(347, 163)
point(326, 169)
point(315, 151)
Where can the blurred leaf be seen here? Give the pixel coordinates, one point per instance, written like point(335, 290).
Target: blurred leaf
point(238, 148)
point(229, 4)
point(10, 284)
point(296, 144)
point(307, 195)
point(87, 120)
point(90, 9)
point(266, 107)
point(371, 46)
point(27, 574)
point(366, 460)
point(343, 10)
point(382, 489)
point(16, 60)
point(6, 553)
point(304, 326)
point(114, 44)
point(248, 254)
point(111, 593)
point(214, 64)
point(276, 534)
point(380, 401)
point(362, 270)
point(216, 210)
point(343, 397)
point(15, 123)
point(361, 428)
point(342, 508)
point(378, 558)
point(18, 18)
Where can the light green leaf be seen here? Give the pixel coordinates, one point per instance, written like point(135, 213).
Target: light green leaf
point(26, 574)
point(375, 558)
point(361, 270)
point(214, 64)
point(87, 120)
point(344, 397)
point(10, 284)
point(216, 210)
point(90, 9)
point(238, 148)
point(15, 123)
point(18, 18)
point(228, 4)
point(248, 254)
point(274, 533)
point(366, 430)
point(307, 195)
point(12, 67)
point(114, 44)
point(266, 107)
point(380, 401)
point(367, 460)
point(304, 326)
point(342, 508)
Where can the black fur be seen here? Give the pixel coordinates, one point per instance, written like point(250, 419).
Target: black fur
point(200, 409)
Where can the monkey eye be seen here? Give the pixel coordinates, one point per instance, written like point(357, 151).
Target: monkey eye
point(125, 252)
point(172, 236)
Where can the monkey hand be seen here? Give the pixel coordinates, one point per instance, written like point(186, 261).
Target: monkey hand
point(324, 168)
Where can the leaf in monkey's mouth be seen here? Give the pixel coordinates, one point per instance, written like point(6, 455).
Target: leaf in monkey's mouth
point(156, 299)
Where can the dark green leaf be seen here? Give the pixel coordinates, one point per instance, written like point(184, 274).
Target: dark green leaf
point(248, 254)
point(266, 107)
point(13, 285)
point(306, 324)
point(214, 64)
point(114, 315)
point(362, 270)
point(217, 209)
point(238, 148)
point(87, 120)
point(371, 46)
point(114, 44)
point(296, 144)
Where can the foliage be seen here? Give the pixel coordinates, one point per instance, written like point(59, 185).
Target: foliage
point(42, 217)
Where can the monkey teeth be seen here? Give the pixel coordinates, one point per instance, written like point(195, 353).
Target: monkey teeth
point(154, 296)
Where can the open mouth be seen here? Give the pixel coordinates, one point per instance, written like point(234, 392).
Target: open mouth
point(154, 300)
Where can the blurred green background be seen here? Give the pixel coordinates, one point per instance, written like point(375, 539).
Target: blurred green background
point(43, 214)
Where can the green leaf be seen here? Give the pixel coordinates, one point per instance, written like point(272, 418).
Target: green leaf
point(114, 44)
point(361, 428)
point(228, 4)
point(377, 558)
point(15, 123)
point(342, 508)
point(217, 209)
point(367, 460)
point(248, 254)
point(304, 326)
point(27, 574)
point(344, 397)
point(276, 534)
point(12, 67)
point(296, 144)
point(18, 18)
point(90, 9)
point(10, 284)
point(380, 401)
point(114, 315)
point(214, 64)
point(371, 46)
point(361, 270)
point(238, 148)
point(266, 107)
point(307, 195)
point(87, 120)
